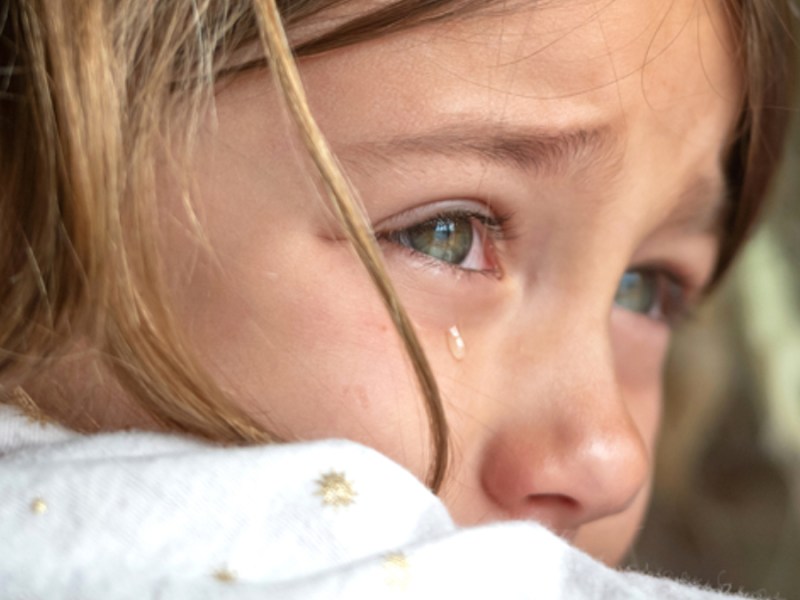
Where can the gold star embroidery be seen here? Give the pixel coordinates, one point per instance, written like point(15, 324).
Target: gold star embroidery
point(225, 575)
point(38, 506)
point(397, 570)
point(335, 490)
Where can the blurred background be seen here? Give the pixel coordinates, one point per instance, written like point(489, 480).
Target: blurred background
point(726, 505)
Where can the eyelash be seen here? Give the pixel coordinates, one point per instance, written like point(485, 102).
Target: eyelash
point(672, 308)
point(490, 229)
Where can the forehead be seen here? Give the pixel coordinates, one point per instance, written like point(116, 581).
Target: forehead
point(657, 78)
point(557, 58)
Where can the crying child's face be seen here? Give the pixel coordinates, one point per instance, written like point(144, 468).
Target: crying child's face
point(546, 186)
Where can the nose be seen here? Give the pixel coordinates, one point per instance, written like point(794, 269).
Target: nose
point(571, 452)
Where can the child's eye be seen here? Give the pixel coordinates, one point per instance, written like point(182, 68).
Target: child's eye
point(651, 293)
point(444, 238)
point(462, 239)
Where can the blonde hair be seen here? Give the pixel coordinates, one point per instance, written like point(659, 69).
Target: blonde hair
point(91, 91)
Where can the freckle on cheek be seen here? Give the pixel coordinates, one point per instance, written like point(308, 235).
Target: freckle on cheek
point(358, 394)
point(363, 397)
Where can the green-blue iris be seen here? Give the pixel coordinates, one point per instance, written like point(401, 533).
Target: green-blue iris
point(638, 292)
point(448, 239)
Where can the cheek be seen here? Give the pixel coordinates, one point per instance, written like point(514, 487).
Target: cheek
point(640, 348)
point(284, 316)
point(294, 329)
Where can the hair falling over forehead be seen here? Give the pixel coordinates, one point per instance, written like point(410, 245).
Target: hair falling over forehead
point(92, 92)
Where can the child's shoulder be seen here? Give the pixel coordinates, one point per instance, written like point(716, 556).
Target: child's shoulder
point(135, 514)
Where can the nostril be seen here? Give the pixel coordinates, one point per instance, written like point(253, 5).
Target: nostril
point(553, 501)
point(558, 512)
point(565, 476)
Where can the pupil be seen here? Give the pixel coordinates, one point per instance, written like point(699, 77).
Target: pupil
point(445, 239)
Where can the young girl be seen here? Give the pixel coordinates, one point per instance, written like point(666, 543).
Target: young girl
point(536, 192)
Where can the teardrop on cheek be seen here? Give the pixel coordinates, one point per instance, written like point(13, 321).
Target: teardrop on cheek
point(456, 343)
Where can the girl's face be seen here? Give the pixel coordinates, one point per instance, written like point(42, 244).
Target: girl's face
point(546, 181)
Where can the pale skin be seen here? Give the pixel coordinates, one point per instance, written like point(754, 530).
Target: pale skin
point(576, 142)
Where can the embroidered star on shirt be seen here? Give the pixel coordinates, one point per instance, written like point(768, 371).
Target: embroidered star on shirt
point(38, 506)
point(224, 575)
point(335, 490)
point(396, 567)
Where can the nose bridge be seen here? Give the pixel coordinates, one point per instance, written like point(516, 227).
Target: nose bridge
point(572, 453)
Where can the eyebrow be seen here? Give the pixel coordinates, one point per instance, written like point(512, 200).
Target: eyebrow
point(545, 151)
point(540, 150)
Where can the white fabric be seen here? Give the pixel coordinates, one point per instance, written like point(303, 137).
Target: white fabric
point(143, 515)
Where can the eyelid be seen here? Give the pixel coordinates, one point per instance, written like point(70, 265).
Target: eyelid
point(671, 311)
point(426, 212)
point(693, 284)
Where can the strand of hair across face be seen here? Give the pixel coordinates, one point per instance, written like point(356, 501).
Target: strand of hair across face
point(353, 219)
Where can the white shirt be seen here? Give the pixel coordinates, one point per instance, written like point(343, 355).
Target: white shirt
point(146, 515)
